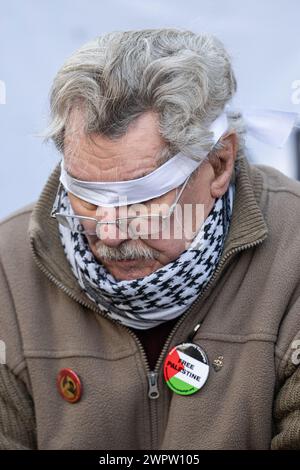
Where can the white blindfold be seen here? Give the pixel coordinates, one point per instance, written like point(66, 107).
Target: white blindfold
point(269, 126)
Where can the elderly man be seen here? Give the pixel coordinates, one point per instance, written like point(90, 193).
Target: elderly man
point(150, 297)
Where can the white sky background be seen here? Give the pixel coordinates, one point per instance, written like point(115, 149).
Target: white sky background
point(262, 36)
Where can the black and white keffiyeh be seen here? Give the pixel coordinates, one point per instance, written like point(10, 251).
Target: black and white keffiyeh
point(162, 295)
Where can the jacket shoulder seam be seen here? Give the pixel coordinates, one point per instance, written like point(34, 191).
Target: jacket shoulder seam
point(283, 190)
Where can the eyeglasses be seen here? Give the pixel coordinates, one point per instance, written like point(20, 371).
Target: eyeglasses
point(134, 226)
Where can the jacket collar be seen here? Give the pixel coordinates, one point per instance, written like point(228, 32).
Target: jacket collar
point(247, 227)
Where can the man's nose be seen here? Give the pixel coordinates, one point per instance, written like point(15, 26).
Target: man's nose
point(108, 231)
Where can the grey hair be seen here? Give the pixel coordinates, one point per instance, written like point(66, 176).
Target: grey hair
point(184, 77)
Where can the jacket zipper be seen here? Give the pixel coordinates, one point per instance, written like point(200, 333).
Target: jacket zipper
point(152, 376)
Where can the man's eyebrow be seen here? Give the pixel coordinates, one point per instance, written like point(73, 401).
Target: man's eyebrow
point(74, 176)
point(145, 173)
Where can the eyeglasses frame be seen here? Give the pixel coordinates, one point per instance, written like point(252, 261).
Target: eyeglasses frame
point(117, 220)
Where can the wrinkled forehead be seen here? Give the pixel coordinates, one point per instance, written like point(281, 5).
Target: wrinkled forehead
point(96, 157)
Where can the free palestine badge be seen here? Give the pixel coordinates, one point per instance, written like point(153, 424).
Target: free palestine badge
point(186, 368)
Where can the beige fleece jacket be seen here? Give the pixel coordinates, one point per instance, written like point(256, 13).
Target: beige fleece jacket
point(249, 315)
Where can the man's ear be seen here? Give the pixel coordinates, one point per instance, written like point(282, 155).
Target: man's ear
point(223, 164)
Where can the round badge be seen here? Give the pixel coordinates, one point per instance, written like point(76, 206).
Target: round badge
point(186, 368)
point(69, 385)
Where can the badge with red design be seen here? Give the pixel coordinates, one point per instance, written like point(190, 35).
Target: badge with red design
point(186, 368)
point(69, 385)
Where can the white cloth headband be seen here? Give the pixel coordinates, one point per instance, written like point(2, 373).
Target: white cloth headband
point(168, 176)
point(270, 126)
